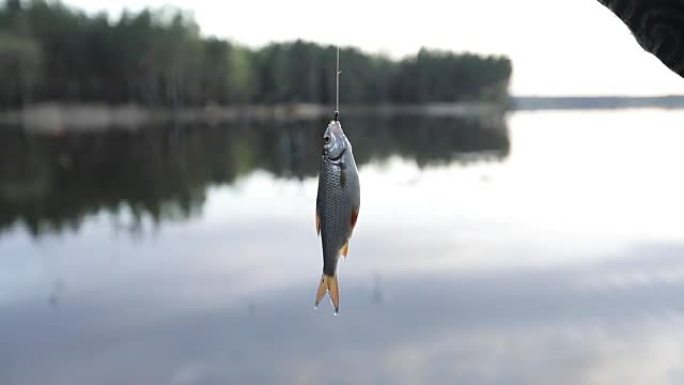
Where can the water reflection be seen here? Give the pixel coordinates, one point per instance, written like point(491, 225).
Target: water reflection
point(559, 265)
point(50, 182)
point(489, 327)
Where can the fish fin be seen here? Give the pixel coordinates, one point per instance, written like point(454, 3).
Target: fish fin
point(354, 217)
point(334, 292)
point(318, 223)
point(345, 249)
point(329, 285)
point(343, 177)
point(322, 289)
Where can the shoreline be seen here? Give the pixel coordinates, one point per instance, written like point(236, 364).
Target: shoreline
point(74, 117)
point(56, 117)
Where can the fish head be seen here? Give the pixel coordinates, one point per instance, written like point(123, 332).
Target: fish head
point(335, 143)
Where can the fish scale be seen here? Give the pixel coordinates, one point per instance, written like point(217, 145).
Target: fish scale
point(335, 210)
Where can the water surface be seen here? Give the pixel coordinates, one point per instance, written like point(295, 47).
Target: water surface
point(537, 248)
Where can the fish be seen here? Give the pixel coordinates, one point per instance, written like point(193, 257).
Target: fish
point(337, 207)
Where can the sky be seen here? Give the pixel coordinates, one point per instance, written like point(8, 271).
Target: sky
point(558, 47)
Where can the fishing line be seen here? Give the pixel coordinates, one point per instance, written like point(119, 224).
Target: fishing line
point(337, 85)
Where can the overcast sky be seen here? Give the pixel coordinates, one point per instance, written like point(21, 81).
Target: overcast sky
point(558, 47)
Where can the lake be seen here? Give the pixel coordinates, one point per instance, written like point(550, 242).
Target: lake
point(538, 247)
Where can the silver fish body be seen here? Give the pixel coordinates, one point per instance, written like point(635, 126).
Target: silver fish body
point(337, 206)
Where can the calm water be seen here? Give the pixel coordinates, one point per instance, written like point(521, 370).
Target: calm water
point(539, 248)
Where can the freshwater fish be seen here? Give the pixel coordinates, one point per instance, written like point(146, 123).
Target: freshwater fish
point(337, 207)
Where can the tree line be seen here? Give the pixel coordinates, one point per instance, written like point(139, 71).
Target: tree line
point(51, 52)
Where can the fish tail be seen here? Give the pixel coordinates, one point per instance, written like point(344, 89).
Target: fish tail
point(329, 285)
point(322, 289)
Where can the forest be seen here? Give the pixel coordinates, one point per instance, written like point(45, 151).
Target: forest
point(51, 52)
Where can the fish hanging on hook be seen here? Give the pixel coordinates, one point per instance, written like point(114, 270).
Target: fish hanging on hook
point(337, 202)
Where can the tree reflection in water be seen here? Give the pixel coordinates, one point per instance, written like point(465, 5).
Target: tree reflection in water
point(50, 183)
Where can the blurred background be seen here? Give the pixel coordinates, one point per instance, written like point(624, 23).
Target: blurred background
point(521, 213)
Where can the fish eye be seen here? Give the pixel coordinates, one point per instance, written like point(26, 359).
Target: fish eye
point(326, 139)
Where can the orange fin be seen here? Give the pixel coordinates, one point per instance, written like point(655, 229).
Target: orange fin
point(345, 249)
point(322, 289)
point(328, 285)
point(318, 223)
point(334, 292)
point(354, 217)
